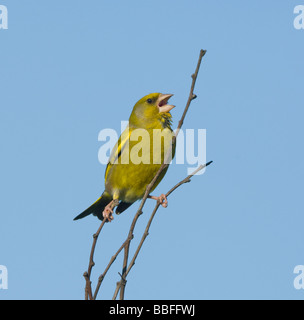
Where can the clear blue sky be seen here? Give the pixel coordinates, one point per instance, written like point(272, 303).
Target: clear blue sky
point(71, 68)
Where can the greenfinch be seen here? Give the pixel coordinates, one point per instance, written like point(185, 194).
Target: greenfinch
point(137, 157)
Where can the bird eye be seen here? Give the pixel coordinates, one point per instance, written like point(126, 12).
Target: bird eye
point(149, 101)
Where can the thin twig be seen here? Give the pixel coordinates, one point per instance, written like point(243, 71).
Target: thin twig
point(188, 179)
point(165, 164)
point(87, 274)
point(146, 232)
point(100, 279)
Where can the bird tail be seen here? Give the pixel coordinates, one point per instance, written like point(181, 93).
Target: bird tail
point(97, 207)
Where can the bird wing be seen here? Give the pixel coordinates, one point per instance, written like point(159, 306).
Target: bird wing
point(120, 145)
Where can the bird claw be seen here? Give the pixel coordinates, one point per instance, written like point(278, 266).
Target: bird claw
point(108, 210)
point(108, 213)
point(162, 200)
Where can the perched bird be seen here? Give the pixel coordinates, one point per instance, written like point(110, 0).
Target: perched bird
point(136, 157)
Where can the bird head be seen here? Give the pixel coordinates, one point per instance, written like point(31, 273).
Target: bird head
point(152, 111)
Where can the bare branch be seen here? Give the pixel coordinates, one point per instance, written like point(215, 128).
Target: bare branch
point(165, 164)
point(87, 275)
point(100, 279)
point(146, 233)
point(192, 96)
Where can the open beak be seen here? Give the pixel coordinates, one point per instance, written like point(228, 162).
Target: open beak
point(162, 103)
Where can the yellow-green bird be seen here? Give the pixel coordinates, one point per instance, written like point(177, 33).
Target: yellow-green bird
point(136, 157)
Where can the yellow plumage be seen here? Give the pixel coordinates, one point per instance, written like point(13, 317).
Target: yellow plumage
point(137, 155)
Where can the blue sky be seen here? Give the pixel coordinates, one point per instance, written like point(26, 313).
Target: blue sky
point(71, 68)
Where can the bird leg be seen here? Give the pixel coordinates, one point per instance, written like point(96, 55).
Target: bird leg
point(108, 210)
point(162, 200)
